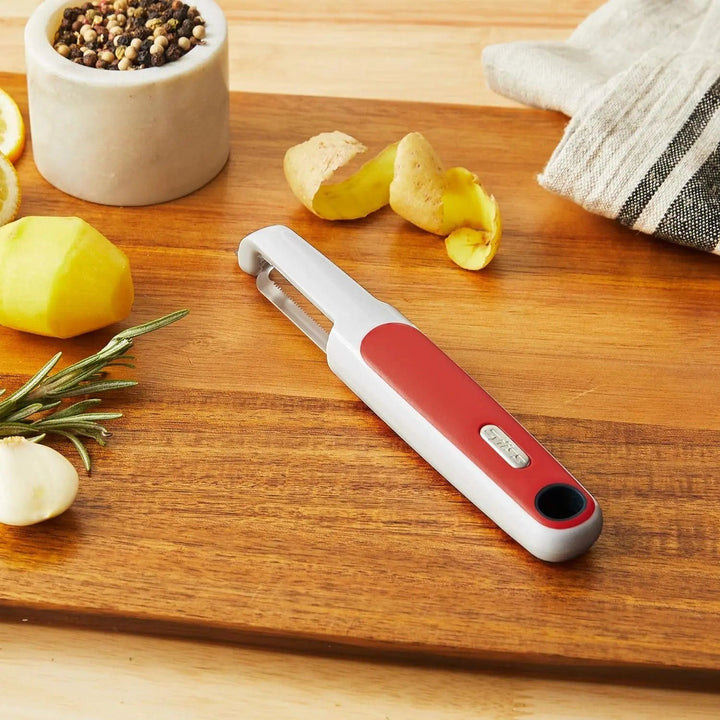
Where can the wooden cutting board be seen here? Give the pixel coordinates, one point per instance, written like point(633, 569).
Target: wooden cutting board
point(247, 495)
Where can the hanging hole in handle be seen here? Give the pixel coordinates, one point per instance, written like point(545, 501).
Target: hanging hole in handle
point(560, 502)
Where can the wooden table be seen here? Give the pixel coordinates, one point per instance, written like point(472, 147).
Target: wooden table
point(50, 668)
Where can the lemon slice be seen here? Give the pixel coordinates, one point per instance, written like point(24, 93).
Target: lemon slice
point(12, 128)
point(9, 191)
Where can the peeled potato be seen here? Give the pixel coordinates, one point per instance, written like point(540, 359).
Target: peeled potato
point(410, 177)
point(61, 277)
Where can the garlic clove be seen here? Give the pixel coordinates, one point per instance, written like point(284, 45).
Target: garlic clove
point(36, 482)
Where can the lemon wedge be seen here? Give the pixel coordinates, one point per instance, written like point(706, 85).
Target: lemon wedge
point(12, 128)
point(9, 191)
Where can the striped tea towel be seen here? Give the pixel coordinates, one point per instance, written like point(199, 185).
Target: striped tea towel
point(641, 82)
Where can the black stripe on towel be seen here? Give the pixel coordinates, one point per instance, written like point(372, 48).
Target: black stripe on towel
point(693, 218)
point(679, 145)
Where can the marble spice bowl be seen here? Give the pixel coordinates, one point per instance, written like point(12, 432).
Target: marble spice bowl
point(134, 137)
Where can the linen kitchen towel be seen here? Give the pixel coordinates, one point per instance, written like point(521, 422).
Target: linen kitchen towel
point(641, 82)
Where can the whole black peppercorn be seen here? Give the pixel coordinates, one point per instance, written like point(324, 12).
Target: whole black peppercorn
point(173, 52)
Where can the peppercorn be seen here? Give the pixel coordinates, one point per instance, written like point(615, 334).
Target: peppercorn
point(173, 52)
point(102, 27)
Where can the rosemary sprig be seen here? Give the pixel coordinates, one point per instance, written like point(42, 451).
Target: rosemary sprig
point(36, 408)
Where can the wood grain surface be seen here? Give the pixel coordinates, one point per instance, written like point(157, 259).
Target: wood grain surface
point(395, 50)
point(248, 495)
point(392, 50)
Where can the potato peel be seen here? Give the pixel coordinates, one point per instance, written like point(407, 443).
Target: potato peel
point(308, 165)
point(417, 188)
point(362, 193)
point(408, 176)
point(472, 220)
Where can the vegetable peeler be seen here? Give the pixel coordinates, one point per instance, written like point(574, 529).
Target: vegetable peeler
point(428, 400)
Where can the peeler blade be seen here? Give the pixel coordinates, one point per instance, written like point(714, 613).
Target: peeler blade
point(288, 307)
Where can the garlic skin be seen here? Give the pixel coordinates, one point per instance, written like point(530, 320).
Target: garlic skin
point(36, 482)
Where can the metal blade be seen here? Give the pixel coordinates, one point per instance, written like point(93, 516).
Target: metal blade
point(289, 308)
